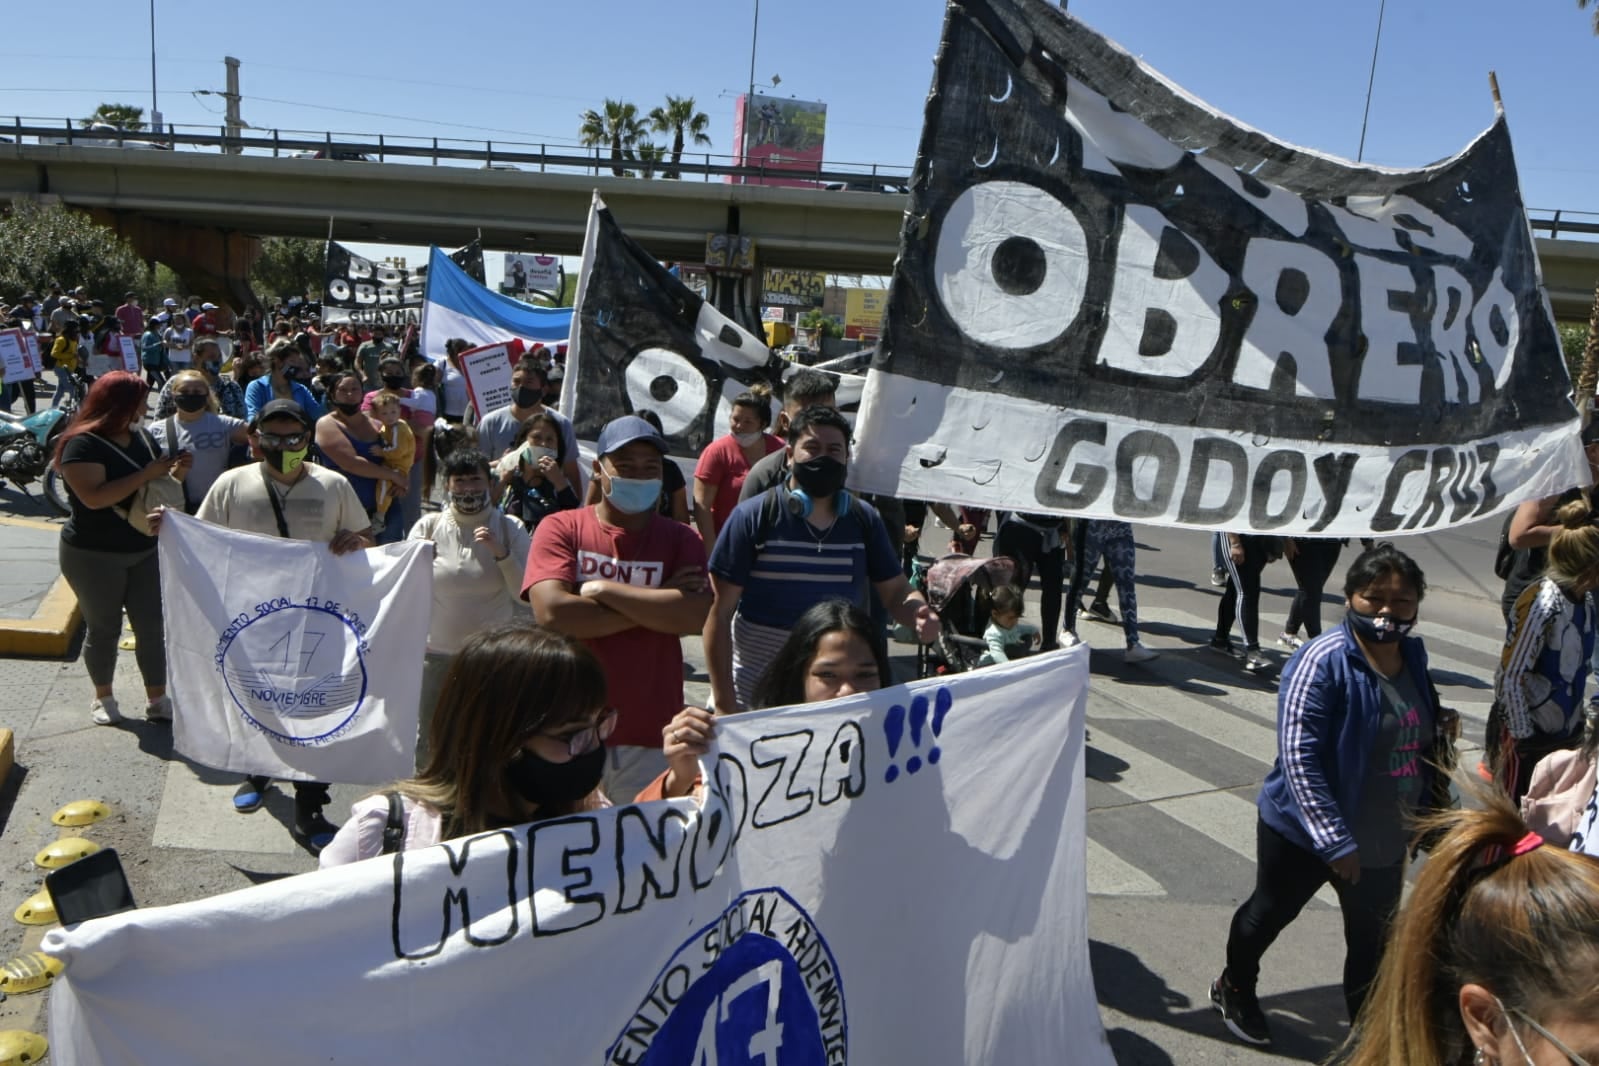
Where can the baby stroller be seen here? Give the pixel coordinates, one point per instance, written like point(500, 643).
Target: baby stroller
point(958, 588)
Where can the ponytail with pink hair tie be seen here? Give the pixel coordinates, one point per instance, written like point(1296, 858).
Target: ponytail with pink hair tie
point(1497, 853)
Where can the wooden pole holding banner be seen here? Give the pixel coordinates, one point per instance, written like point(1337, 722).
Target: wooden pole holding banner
point(1493, 87)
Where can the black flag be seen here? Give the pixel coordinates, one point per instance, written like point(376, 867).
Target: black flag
point(643, 340)
point(470, 259)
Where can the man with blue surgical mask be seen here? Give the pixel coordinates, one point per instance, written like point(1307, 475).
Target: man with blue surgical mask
point(630, 584)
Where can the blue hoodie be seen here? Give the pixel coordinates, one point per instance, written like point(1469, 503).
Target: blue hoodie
point(1329, 704)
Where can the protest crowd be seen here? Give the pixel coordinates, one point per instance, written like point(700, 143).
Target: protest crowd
point(571, 555)
point(349, 456)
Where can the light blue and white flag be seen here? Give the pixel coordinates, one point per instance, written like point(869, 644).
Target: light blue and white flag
point(456, 305)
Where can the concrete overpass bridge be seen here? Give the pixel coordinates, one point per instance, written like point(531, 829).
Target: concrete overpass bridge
point(202, 212)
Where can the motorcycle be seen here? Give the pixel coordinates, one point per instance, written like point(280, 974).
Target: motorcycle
point(27, 446)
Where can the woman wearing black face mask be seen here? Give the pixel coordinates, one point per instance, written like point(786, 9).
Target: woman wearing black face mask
point(348, 439)
point(286, 381)
point(519, 736)
point(195, 426)
point(1358, 722)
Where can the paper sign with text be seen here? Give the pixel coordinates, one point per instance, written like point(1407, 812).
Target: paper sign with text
point(488, 371)
point(14, 352)
point(130, 354)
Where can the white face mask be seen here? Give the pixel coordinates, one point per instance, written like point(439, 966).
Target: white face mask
point(532, 453)
point(747, 439)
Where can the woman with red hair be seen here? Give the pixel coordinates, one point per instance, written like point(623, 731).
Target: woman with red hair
point(104, 459)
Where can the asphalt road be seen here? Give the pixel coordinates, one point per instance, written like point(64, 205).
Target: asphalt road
point(1178, 748)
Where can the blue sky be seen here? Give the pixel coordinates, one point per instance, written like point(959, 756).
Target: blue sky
point(524, 71)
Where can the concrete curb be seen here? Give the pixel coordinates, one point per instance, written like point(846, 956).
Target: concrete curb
point(49, 632)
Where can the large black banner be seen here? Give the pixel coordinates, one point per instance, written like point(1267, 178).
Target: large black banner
point(356, 289)
point(1112, 300)
point(643, 340)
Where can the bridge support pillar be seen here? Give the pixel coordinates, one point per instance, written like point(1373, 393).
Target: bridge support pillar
point(213, 263)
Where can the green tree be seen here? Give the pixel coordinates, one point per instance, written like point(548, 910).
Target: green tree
point(288, 266)
point(1573, 339)
point(40, 244)
point(616, 125)
point(122, 116)
point(684, 123)
point(820, 324)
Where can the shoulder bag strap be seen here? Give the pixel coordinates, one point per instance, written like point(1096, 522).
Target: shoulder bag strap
point(277, 506)
point(394, 828)
point(172, 442)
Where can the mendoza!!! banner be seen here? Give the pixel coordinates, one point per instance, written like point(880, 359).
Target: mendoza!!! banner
point(1114, 301)
point(646, 341)
point(356, 289)
point(893, 877)
point(290, 661)
point(457, 305)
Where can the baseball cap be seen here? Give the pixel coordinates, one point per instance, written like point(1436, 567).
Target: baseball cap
point(169, 302)
point(163, 317)
point(620, 432)
point(208, 307)
point(289, 408)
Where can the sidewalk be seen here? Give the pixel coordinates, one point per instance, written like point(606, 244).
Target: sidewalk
point(38, 613)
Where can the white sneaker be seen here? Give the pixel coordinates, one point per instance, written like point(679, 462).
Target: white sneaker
point(104, 711)
point(1289, 641)
point(159, 710)
point(1137, 653)
point(1068, 639)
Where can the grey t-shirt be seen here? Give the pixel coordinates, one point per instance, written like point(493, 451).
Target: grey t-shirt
point(207, 437)
point(498, 428)
point(1395, 770)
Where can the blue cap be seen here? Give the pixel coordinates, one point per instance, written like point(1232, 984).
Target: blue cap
point(620, 432)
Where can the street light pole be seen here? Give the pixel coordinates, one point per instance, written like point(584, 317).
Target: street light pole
point(155, 108)
point(749, 98)
point(1371, 80)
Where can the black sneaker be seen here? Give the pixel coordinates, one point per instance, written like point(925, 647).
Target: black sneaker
point(1224, 646)
point(1241, 1011)
point(1100, 611)
point(1255, 661)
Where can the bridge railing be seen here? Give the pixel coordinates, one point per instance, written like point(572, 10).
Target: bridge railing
point(440, 151)
point(1562, 223)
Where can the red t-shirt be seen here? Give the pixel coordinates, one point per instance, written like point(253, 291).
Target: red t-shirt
point(643, 668)
point(722, 464)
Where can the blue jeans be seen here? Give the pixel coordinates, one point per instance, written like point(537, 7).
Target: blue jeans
point(63, 385)
point(393, 524)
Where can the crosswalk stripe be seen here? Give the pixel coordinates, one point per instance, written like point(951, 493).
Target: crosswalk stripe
point(1146, 776)
point(1201, 718)
point(1226, 819)
point(1111, 875)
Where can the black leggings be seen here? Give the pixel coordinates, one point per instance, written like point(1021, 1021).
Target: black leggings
point(1312, 564)
point(1240, 601)
point(1286, 877)
point(1025, 544)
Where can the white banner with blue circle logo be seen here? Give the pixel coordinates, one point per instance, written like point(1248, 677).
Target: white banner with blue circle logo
point(287, 660)
point(895, 877)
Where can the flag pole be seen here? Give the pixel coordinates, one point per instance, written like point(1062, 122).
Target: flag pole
point(1371, 81)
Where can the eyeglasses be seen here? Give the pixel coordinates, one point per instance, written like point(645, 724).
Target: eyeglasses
point(287, 441)
point(586, 740)
point(1554, 1041)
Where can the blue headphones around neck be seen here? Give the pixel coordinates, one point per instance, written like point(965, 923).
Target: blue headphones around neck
point(800, 504)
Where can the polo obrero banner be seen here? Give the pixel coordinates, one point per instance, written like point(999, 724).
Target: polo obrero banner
point(1112, 300)
point(893, 877)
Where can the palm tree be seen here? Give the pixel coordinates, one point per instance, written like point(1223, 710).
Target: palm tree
point(684, 123)
point(122, 116)
point(649, 156)
point(618, 126)
point(1584, 4)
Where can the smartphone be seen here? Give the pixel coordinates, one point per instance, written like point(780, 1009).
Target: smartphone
point(92, 887)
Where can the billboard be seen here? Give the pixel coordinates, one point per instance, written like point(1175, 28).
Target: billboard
point(779, 134)
point(793, 288)
point(863, 313)
point(531, 273)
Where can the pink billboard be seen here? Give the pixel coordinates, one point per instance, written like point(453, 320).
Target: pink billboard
point(779, 134)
